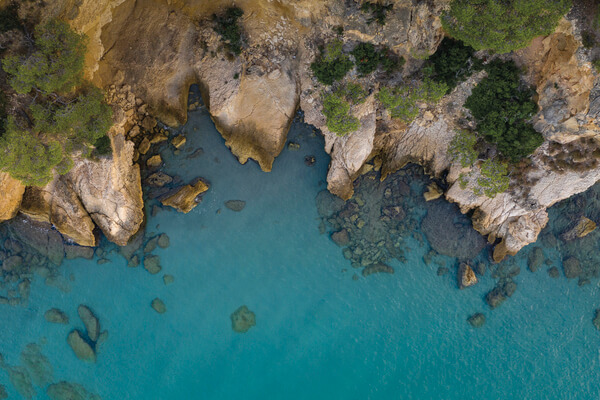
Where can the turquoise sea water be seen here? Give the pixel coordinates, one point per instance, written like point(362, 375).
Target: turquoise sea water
point(319, 334)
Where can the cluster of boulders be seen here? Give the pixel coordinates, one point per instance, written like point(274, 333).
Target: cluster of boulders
point(36, 371)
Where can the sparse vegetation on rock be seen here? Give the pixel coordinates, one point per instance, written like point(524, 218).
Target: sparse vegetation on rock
point(337, 111)
point(402, 101)
point(226, 25)
point(378, 11)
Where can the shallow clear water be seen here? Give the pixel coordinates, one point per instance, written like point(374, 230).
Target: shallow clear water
point(319, 334)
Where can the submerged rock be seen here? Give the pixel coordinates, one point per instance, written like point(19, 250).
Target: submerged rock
point(154, 161)
point(159, 306)
point(90, 321)
point(535, 260)
point(328, 204)
point(553, 272)
point(39, 367)
point(3, 394)
point(242, 319)
point(476, 320)
point(571, 268)
point(596, 319)
point(152, 264)
point(235, 205)
point(81, 348)
point(185, 198)
point(158, 179)
point(20, 379)
point(441, 271)
point(163, 241)
point(341, 238)
point(69, 391)
point(377, 268)
point(495, 297)
point(466, 276)
point(168, 279)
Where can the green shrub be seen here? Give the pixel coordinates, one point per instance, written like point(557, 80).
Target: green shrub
point(596, 64)
point(501, 107)
point(452, 63)
point(588, 39)
point(227, 26)
point(337, 112)
point(352, 92)
point(332, 65)
point(59, 117)
point(493, 178)
point(102, 146)
point(462, 148)
point(402, 101)
point(378, 11)
point(367, 59)
point(502, 26)
point(56, 64)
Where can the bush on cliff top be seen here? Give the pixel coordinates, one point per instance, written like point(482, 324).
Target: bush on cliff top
point(502, 26)
point(227, 26)
point(61, 117)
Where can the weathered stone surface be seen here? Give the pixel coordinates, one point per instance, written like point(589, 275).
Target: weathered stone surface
point(242, 320)
point(185, 198)
point(154, 161)
point(159, 306)
point(11, 194)
point(466, 276)
point(56, 316)
point(80, 347)
point(90, 321)
point(235, 205)
point(178, 141)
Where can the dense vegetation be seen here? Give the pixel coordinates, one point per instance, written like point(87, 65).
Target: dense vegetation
point(9, 17)
point(332, 65)
point(493, 178)
point(378, 11)
point(227, 26)
point(368, 59)
point(337, 111)
point(462, 148)
point(402, 101)
point(452, 63)
point(501, 107)
point(503, 26)
point(58, 114)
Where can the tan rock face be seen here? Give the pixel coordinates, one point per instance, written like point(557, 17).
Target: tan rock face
point(466, 276)
point(11, 194)
point(185, 198)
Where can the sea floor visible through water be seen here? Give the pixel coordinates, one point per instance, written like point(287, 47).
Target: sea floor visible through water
point(323, 331)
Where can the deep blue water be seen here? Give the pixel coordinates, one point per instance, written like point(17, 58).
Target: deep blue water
point(319, 334)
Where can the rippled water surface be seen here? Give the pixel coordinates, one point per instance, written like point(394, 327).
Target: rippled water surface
point(319, 333)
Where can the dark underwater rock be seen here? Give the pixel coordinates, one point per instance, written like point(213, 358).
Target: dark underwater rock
point(235, 205)
point(476, 320)
point(377, 268)
point(571, 268)
point(242, 319)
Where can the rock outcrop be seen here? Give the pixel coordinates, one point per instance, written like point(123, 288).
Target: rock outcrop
point(11, 194)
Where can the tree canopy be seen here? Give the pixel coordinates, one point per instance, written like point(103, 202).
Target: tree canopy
point(502, 25)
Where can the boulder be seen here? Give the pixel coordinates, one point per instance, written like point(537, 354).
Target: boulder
point(466, 276)
point(158, 179)
point(178, 141)
point(582, 228)
point(535, 260)
point(81, 348)
point(495, 297)
point(90, 321)
point(154, 161)
point(235, 205)
point(377, 268)
point(571, 268)
point(433, 192)
point(11, 194)
point(159, 306)
point(242, 319)
point(476, 320)
point(56, 316)
point(152, 264)
point(341, 238)
point(185, 198)
point(163, 241)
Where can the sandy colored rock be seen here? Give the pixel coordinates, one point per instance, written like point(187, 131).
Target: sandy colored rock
point(144, 146)
point(90, 321)
point(11, 194)
point(582, 228)
point(80, 347)
point(159, 306)
point(433, 192)
point(242, 320)
point(185, 198)
point(466, 276)
point(154, 161)
point(178, 141)
point(56, 316)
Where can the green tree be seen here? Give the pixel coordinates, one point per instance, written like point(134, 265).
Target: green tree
point(501, 107)
point(493, 178)
point(332, 65)
point(337, 112)
point(462, 148)
point(502, 25)
point(452, 63)
point(56, 64)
